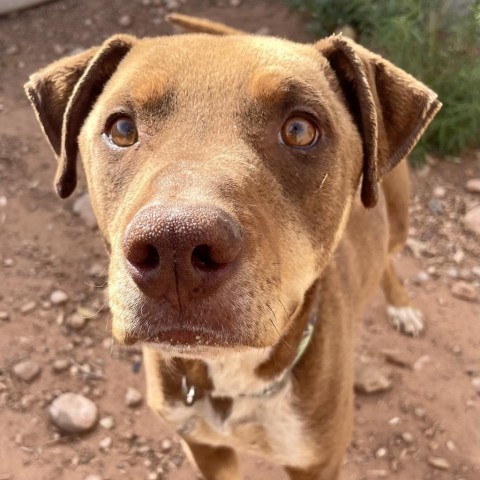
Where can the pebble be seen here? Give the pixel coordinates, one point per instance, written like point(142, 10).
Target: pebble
point(407, 437)
point(28, 307)
point(370, 379)
point(125, 21)
point(76, 321)
point(458, 256)
point(471, 220)
point(105, 443)
point(93, 477)
point(439, 192)
point(172, 5)
point(381, 453)
point(435, 206)
point(439, 463)
point(8, 262)
point(166, 445)
point(464, 291)
point(73, 413)
point(421, 277)
point(397, 358)
point(107, 422)
point(60, 365)
point(133, 398)
point(473, 185)
point(3, 201)
point(4, 316)
point(476, 383)
point(83, 208)
point(235, 3)
point(28, 370)
point(58, 297)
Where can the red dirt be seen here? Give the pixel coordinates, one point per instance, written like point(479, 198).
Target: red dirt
point(45, 247)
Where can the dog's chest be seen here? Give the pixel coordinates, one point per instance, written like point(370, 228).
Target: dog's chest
point(267, 425)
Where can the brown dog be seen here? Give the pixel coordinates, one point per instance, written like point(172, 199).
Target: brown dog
point(228, 175)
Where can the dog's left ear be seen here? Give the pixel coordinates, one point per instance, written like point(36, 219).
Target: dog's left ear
point(391, 108)
point(63, 93)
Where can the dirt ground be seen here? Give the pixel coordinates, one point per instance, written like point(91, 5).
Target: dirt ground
point(426, 426)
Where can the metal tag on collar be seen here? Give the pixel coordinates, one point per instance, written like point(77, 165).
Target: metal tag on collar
point(189, 393)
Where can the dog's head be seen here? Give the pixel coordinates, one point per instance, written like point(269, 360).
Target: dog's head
point(222, 170)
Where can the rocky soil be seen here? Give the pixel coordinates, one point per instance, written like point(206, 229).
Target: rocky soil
point(71, 402)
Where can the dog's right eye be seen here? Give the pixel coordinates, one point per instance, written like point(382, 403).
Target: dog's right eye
point(123, 132)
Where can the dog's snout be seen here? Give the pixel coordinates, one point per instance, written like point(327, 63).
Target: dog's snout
point(177, 252)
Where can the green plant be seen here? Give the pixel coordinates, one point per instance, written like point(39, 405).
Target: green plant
point(436, 41)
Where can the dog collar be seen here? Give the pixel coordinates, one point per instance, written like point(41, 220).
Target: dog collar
point(189, 392)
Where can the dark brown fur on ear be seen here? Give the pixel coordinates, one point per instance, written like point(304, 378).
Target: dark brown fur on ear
point(391, 108)
point(201, 25)
point(63, 93)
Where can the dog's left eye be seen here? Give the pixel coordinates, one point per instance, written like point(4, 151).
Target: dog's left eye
point(299, 132)
point(123, 132)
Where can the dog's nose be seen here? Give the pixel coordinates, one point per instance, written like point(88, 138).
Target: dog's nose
point(182, 251)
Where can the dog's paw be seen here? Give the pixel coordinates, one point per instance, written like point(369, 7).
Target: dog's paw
point(407, 320)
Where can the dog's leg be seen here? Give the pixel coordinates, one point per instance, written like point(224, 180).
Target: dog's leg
point(401, 314)
point(215, 463)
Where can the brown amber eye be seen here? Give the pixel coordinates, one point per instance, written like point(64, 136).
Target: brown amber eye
point(299, 132)
point(123, 132)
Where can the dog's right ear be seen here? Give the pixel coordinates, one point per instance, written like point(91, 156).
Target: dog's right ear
point(63, 93)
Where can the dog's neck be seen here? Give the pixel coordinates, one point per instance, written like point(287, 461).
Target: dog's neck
point(255, 372)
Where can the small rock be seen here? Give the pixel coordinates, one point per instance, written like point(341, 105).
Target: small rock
point(397, 358)
point(8, 262)
point(125, 21)
point(3, 201)
point(58, 297)
point(421, 278)
point(166, 445)
point(452, 272)
point(4, 316)
point(458, 256)
point(473, 185)
point(464, 291)
point(451, 445)
point(419, 412)
point(381, 453)
point(435, 206)
point(107, 422)
point(370, 379)
point(407, 437)
point(93, 477)
point(471, 220)
point(133, 398)
point(105, 443)
point(28, 307)
point(27, 370)
point(235, 3)
point(172, 5)
point(60, 365)
point(73, 413)
point(83, 208)
point(439, 463)
point(476, 383)
point(439, 192)
point(476, 271)
point(76, 321)
point(59, 49)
